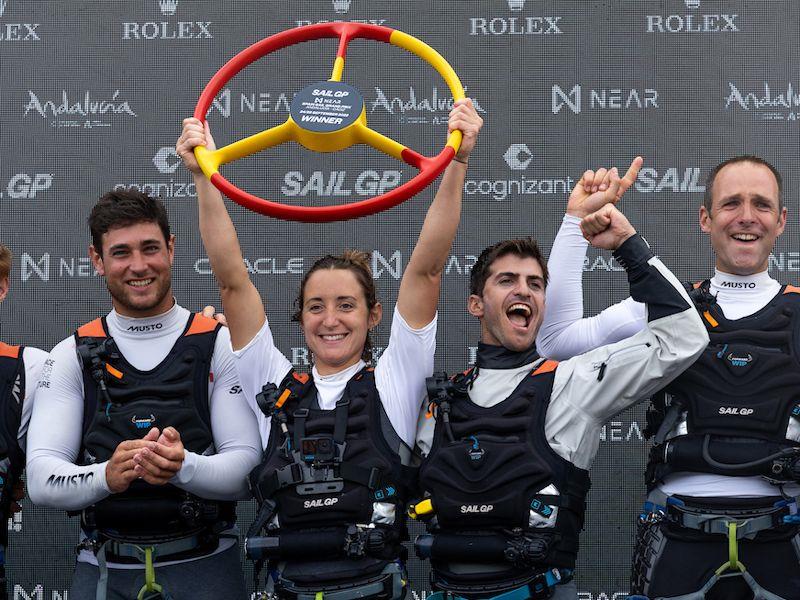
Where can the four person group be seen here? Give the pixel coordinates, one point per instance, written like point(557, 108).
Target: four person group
point(150, 422)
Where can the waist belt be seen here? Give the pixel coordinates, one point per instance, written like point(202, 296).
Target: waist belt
point(389, 585)
point(749, 523)
point(538, 588)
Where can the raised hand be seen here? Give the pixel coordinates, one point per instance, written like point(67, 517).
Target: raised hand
point(463, 116)
point(607, 228)
point(593, 191)
point(194, 134)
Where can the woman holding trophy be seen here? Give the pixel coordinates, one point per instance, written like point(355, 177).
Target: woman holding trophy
point(334, 479)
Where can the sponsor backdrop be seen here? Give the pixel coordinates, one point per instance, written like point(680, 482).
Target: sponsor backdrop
point(93, 94)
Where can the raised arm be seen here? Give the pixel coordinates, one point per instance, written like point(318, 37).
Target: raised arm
point(564, 332)
point(419, 288)
point(241, 301)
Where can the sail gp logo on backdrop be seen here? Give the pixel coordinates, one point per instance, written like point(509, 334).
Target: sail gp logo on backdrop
point(416, 108)
point(87, 111)
point(17, 32)
point(765, 104)
point(167, 30)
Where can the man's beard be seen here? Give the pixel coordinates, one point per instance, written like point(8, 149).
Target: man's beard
point(123, 298)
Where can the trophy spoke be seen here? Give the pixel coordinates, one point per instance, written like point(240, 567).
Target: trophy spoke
point(255, 143)
point(391, 147)
point(341, 53)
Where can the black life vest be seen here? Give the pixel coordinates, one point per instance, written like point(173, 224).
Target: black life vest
point(485, 480)
point(123, 403)
point(738, 397)
point(12, 457)
point(333, 484)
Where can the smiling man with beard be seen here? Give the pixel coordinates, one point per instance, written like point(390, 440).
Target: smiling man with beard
point(509, 442)
point(723, 476)
point(141, 427)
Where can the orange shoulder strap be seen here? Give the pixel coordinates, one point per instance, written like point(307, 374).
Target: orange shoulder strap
point(546, 367)
point(92, 329)
point(791, 289)
point(9, 351)
point(201, 324)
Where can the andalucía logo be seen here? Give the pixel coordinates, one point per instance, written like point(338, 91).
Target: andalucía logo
point(87, 111)
point(415, 108)
point(781, 104)
point(17, 32)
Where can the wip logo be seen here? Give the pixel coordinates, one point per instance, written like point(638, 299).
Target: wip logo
point(518, 157)
point(602, 99)
point(738, 361)
point(341, 7)
point(167, 160)
point(143, 422)
point(23, 186)
point(168, 7)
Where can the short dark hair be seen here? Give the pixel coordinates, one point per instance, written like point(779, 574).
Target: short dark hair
point(522, 247)
point(120, 208)
point(749, 158)
point(5, 262)
point(355, 261)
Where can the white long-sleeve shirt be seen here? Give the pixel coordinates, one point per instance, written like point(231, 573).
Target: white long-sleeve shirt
point(565, 333)
point(591, 388)
point(56, 429)
point(400, 374)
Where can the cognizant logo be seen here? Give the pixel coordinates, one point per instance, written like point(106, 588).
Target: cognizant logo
point(518, 157)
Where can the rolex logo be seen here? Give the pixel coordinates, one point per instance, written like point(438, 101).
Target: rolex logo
point(692, 3)
point(341, 6)
point(168, 7)
point(516, 5)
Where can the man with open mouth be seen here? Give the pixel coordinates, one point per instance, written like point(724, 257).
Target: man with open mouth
point(724, 468)
point(509, 442)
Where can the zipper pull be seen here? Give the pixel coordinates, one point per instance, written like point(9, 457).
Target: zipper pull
point(602, 372)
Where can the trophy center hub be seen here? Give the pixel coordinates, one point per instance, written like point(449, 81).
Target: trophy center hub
point(327, 106)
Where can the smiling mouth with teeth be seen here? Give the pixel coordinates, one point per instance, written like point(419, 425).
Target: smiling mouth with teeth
point(745, 237)
point(140, 282)
point(519, 314)
point(333, 337)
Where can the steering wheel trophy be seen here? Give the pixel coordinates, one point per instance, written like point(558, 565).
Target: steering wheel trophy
point(326, 116)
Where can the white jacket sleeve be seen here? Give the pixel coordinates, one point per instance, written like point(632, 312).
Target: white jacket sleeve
point(591, 388)
point(223, 476)
point(54, 437)
point(564, 332)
